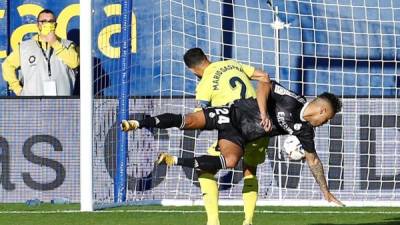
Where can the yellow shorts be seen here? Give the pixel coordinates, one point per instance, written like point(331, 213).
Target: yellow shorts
point(254, 152)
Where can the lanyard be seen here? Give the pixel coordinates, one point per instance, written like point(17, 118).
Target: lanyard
point(47, 58)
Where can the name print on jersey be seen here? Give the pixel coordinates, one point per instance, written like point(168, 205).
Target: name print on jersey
point(281, 120)
point(219, 73)
point(282, 91)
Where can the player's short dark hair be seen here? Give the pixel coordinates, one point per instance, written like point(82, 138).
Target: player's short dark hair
point(194, 57)
point(333, 100)
point(45, 11)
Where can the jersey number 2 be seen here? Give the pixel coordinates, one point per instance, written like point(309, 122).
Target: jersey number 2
point(233, 84)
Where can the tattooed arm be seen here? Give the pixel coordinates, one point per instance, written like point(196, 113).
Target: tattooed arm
point(317, 169)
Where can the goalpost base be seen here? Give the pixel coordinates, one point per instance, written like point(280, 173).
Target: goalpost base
point(285, 202)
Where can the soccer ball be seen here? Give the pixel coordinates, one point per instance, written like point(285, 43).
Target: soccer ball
point(293, 148)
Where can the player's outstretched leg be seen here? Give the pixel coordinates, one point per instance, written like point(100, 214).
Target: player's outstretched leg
point(206, 163)
point(165, 120)
point(230, 155)
point(189, 121)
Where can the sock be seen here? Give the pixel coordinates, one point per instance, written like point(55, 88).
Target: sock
point(209, 188)
point(250, 191)
point(165, 120)
point(206, 163)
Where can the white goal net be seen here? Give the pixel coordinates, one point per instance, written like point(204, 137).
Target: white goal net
point(349, 48)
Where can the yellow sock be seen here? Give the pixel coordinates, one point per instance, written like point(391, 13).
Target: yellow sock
point(250, 192)
point(209, 188)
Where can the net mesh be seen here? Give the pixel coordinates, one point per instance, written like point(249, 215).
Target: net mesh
point(345, 47)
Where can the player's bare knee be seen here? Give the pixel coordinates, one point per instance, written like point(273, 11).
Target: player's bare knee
point(190, 121)
point(230, 164)
point(231, 161)
point(194, 120)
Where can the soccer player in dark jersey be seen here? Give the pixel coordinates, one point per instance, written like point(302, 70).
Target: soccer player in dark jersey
point(248, 119)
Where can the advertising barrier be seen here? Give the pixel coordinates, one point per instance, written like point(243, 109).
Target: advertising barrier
point(39, 154)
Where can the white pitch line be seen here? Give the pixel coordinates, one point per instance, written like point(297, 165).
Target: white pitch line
point(199, 211)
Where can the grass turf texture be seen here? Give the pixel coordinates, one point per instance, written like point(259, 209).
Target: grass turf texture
point(20, 214)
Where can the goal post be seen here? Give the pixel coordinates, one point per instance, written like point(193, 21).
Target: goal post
point(86, 109)
point(349, 48)
point(120, 179)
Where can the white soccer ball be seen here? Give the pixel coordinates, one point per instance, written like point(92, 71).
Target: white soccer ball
point(293, 148)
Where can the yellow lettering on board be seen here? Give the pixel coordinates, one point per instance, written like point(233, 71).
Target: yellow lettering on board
point(133, 34)
point(3, 53)
point(63, 19)
point(103, 40)
point(20, 32)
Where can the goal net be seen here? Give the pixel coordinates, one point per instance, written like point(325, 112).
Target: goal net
point(349, 48)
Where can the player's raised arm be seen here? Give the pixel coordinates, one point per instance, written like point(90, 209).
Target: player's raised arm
point(317, 169)
point(263, 92)
point(260, 76)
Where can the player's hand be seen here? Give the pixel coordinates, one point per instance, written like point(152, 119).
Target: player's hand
point(266, 122)
point(331, 198)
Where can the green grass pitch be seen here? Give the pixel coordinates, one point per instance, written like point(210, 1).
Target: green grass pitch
point(20, 214)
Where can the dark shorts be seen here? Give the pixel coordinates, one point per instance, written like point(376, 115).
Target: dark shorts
point(219, 118)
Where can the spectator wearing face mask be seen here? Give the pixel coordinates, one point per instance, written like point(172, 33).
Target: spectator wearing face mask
point(45, 62)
